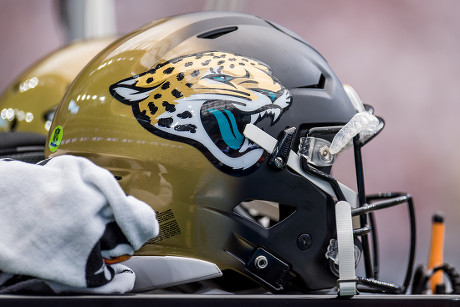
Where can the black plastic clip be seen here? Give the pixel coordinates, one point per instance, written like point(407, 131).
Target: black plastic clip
point(279, 157)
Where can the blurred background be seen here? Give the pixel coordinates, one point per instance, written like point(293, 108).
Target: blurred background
point(401, 56)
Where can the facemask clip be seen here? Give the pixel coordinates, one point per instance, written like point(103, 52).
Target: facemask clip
point(316, 151)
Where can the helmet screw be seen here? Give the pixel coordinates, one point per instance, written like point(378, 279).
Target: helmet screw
point(261, 262)
point(304, 241)
point(279, 162)
point(325, 155)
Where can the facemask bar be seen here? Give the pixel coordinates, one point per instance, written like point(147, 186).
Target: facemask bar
point(381, 201)
point(365, 210)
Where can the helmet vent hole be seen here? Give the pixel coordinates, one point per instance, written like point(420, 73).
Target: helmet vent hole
point(217, 32)
point(265, 213)
point(319, 85)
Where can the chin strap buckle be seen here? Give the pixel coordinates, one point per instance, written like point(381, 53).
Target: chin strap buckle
point(346, 257)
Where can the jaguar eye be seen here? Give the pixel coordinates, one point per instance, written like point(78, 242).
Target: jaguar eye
point(271, 95)
point(221, 78)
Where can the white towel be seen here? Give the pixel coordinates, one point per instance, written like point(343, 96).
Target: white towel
point(60, 220)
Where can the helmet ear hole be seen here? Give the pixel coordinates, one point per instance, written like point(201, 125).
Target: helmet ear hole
point(265, 213)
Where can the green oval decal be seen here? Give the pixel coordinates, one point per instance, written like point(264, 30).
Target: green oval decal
point(56, 138)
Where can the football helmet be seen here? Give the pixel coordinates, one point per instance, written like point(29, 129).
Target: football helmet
point(29, 102)
point(228, 125)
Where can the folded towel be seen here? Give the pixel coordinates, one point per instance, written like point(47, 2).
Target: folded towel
point(58, 222)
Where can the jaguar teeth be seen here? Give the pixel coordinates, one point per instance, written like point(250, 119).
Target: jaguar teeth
point(277, 113)
point(245, 145)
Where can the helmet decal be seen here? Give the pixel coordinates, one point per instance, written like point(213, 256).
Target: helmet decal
point(206, 99)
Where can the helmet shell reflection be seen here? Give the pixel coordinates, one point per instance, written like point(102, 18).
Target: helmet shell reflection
point(29, 102)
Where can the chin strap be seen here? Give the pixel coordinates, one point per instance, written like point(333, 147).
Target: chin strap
point(346, 256)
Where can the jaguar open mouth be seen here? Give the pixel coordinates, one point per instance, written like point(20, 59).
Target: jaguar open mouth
point(225, 123)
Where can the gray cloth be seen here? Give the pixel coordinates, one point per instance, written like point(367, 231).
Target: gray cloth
point(61, 219)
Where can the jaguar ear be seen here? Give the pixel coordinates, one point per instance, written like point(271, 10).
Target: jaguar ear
point(128, 93)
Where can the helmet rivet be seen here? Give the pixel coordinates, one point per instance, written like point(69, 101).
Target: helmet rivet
point(304, 241)
point(279, 162)
point(325, 155)
point(261, 262)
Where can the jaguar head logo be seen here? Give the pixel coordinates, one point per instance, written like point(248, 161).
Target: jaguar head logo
point(206, 99)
